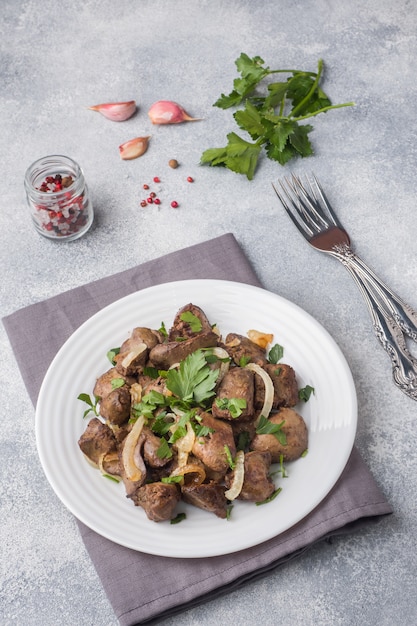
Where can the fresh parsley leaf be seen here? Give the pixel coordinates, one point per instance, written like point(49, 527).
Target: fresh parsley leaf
point(152, 372)
point(200, 430)
point(92, 404)
point(266, 427)
point(276, 353)
point(164, 451)
point(250, 119)
point(229, 457)
point(117, 382)
point(162, 329)
point(193, 381)
point(239, 156)
point(305, 393)
point(235, 406)
point(111, 354)
point(244, 360)
point(161, 424)
point(169, 480)
point(192, 320)
point(178, 518)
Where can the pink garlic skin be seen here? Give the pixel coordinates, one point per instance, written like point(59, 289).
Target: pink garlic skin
point(167, 112)
point(116, 111)
point(133, 148)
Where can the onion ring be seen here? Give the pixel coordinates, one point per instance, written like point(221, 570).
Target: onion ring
point(238, 477)
point(269, 389)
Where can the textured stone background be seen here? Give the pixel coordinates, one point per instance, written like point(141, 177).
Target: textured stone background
point(57, 59)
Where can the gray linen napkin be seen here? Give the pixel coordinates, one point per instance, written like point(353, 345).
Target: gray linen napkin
point(144, 588)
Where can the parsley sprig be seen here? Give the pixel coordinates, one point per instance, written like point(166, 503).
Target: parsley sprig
point(271, 120)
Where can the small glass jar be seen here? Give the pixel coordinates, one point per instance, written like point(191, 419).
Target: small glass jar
point(58, 198)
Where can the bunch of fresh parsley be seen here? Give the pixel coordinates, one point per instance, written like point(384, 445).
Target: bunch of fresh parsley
point(272, 120)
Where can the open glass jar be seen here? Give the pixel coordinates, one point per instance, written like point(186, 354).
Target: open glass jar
point(58, 198)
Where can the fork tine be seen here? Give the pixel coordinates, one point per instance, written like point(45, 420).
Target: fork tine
point(326, 202)
point(304, 229)
point(307, 205)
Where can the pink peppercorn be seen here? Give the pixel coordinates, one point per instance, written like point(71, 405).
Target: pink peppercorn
point(174, 204)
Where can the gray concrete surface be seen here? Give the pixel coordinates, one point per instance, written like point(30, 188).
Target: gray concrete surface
point(57, 59)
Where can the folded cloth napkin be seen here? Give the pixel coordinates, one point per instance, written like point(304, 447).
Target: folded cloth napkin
point(144, 588)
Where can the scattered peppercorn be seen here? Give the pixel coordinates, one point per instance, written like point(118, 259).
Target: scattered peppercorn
point(190, 179)
point(174, 204)
point(143, 203)
point(149, 200)
point(146, 186)
point(152, 194)
point(156, 179)
point(157, 201)
point(173, 163)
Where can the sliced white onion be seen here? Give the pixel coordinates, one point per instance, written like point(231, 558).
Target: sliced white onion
point(238, 477)
point(135, 393)
point(133, 354)
point(190, 468)
point(269, 389)
point(184, 444)
point(112, 457)
point(221, 353)
point(132, 471)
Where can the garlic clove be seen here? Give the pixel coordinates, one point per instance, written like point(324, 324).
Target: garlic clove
point(116, 111)
point(168, 112)
point(133, 148)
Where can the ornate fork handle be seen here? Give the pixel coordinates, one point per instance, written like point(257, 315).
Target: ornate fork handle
point(389, 322)
point(404, 315)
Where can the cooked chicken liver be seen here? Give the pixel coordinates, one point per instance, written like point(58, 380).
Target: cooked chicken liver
point(158, 500)
point(236, 383)
point(208, 496)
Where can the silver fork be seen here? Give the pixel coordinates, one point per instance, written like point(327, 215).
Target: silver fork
point(393, 319)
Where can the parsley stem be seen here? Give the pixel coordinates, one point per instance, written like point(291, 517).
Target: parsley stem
point(313, 88)
point(324, 109)
point(291, 72)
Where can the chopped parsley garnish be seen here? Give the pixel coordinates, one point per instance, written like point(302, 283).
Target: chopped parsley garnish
point(276, 353)
point(162, 329)
point(229, 457)
point(235, 406)
point(117, 382)
point(266, 427)
point(271, 497)
point(152, 372)
point(178, 518)
point(93, 405)
point(110, 477)
point(169, 480)
point(111, 354)
point(305, 393)
point(192, 320)
point(244, 360)
point(164, 451)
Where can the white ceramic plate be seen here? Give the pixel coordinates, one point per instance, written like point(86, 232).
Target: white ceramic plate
point(331, 416)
